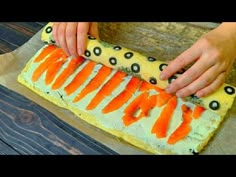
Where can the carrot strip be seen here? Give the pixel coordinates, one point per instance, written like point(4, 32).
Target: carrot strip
point(52, 70)
point(161, 125)
point(197, 112)
point(74, 63)
point(123, 97)
point(56, 54)
point(46, 51)
point(182, 131)
point(80, 78)
point(94, 83)
point(106, 89)
point(162, 98)
point(145, 86)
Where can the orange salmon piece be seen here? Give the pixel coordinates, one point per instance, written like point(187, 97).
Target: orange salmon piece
point(145, 86)
point(163, 98)
point(182, 131)
point(94, 83)
point(80, 78)
point(55, 55)
point(148, 104)
point(161, 125)
point(107, 89)
point(47, 50)
point(197, 112)
point(123, 97)
point(52, 70)
point(74, 63)
point(136, 103)
point(132, 108)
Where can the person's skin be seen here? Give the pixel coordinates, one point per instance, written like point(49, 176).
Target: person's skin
point(212, 56)
point(72, 36)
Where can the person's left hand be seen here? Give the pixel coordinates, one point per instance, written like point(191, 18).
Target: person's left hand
point(213, 54)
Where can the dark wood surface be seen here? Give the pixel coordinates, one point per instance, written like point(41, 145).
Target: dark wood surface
point(27, 128)
point(15, 34)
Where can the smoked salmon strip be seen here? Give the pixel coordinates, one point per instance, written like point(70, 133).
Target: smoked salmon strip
point(145, 86)
point(123, 97)
point(55, 55)
point(197, 112)
point(182, 131)
point(130, 111)
point(80, 78)
point(162, 98)
point(96, 82)
point(147, 105)
point(72, 66)
point(52, 70)
point(160, 127)
point(107, 89)
point(46, 51)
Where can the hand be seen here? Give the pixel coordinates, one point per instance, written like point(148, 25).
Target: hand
point(72, 36)
point(213, 54)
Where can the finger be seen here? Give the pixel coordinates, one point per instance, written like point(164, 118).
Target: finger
point(54, 31)
point(82, 32)
point(200, 83)
point(212, 87)
point(93, 29)
point(191, 74)
point(61, 33)
point(71, 30)
point(187, 57)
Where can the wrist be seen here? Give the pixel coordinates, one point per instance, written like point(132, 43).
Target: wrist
point(228, 28)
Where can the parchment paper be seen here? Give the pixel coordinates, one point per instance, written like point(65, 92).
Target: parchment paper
point(11, 64)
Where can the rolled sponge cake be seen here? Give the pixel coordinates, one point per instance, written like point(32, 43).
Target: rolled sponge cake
point(147, 68)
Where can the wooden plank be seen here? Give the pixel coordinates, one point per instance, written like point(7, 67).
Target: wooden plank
point(15, 34)
point(6, 47)
point(5, 149)
point(31, 129)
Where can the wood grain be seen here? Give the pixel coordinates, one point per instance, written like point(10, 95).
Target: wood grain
point(15, 34)
point(27, 128)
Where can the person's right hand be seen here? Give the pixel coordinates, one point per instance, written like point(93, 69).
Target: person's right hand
point(72, 36)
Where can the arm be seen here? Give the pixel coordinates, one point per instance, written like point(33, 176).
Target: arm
point(213, 56)
point(72, 36)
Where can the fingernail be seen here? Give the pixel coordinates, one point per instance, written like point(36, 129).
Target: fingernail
point(80, 52)
point(162, 76)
